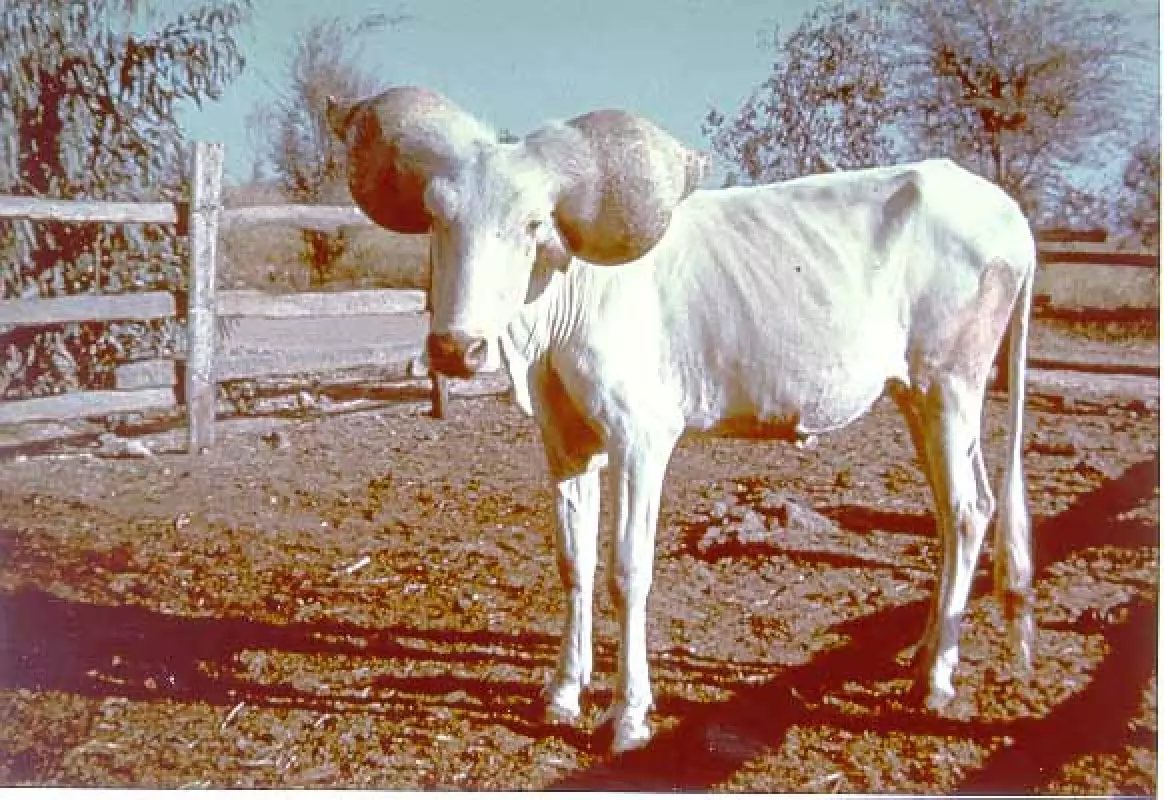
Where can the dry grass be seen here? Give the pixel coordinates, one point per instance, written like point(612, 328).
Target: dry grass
point(271, 257)
point(1078, 286)
point(380, 259)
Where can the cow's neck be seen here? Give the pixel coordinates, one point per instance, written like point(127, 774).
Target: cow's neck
point(543, 322)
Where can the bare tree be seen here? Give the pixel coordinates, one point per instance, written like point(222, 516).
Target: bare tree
point(304, 156)
point(1139, 209)
point(828, 104)
point(1017, 90)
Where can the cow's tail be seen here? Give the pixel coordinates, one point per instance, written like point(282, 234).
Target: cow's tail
point(1013, 566)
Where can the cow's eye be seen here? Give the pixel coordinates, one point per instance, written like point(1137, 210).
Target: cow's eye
point(533, 227)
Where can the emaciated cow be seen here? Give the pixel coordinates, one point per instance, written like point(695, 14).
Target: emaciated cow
point(631, 308)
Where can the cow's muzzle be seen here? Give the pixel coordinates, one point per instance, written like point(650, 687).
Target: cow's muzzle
point(457, 354)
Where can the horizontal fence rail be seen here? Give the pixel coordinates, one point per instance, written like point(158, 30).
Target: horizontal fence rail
point(253, 303)
point(46, 210)
point(1097, 253)
point(248, 366)
point(229, 303)
point(88, 307)
point(315, 218)
point(88, 403)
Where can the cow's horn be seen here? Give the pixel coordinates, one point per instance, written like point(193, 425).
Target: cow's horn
point(397, 141)
point(621, 177)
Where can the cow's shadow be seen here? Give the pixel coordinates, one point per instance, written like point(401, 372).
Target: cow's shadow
point(48, 643)
point(51, 643)
point(711, 742)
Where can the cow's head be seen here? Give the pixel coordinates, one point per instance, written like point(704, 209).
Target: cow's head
point(601, 186)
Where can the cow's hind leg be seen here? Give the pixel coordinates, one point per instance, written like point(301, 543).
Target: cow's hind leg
point(1012, 528)
point(949, 423)
point(912, 404)
point(1013, 569)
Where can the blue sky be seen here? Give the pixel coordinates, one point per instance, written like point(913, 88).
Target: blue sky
point(515, 63)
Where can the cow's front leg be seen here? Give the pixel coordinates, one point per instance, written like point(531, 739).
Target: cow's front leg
point(574, 456)
point(637, 478)
point(576, 504)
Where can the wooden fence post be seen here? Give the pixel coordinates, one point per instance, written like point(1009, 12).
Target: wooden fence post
point(440, 395)
point(201, 327)
point(438, 383)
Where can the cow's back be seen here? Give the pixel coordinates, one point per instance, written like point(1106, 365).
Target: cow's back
point(792, 304)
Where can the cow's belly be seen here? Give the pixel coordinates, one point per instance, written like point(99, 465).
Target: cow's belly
point(783, 395)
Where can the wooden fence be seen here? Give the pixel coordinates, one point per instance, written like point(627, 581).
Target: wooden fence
point(151, 385)
point(1099, 254)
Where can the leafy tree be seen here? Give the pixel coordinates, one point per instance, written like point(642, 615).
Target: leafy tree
point(1009, 88)
point(88, 90)
point(304, 155)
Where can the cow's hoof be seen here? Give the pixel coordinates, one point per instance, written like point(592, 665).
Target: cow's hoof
point(929, 690)
point(563, 704)
point(630, 734)
point(1021, 660)
point(560, 714)
point(937, 698)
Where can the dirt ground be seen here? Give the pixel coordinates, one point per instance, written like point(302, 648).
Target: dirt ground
point(369, 600)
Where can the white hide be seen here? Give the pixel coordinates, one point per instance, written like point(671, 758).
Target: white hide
point(783, 311)
point(782, 304)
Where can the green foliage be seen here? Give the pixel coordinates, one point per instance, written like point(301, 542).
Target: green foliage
point(88, 92)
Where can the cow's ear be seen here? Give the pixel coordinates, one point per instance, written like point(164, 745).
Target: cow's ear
point(397, 142)
point(619, 177)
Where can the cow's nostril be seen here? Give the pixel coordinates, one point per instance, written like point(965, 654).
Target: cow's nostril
point(476, 351)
